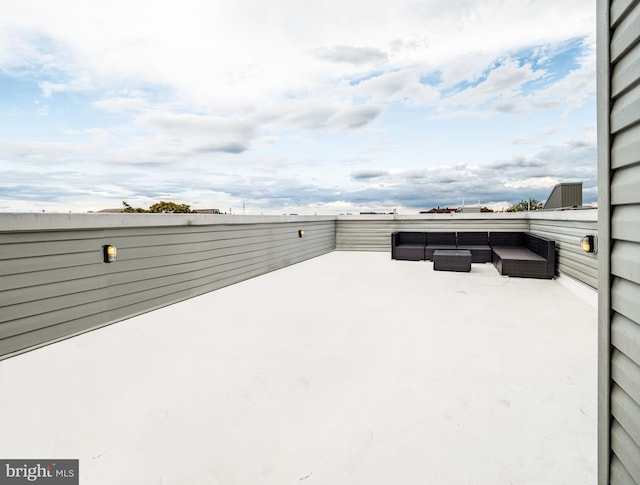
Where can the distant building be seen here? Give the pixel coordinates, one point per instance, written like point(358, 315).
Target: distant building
point(207, 211)
point(464, 209)
point(195, 211)
point(440, 210)
point(565, 196)
point(470, 209)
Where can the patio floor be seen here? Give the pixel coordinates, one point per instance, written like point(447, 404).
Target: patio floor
point(345, 369)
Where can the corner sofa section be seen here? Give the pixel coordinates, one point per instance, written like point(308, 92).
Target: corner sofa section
point(523, 254)
point(408, 246)
point(512, 253)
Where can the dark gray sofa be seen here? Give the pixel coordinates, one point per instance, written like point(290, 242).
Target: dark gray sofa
point(523, 255)
point(512, 253)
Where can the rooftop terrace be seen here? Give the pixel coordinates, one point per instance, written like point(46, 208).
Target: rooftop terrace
point(348, 368)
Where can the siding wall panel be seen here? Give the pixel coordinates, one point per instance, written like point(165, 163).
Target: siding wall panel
point(624, 223)
point(626, 33)
point(625, 449)
point(623, 112)
point(53, 282)
point(18, 266)
point(623, 78)
point(625, 262)
point(627, 412)
point(619, 474)
point(619, 8)
point(625, 149)
point(129, 285)
point(625, 336)
point(624, 299)
point(361, 233)
point(567, 234)
point(625, 186)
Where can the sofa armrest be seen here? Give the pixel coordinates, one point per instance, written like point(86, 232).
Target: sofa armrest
point(545, 248)
point(394, 236)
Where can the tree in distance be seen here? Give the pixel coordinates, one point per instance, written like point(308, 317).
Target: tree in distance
point(525, 205)
point(159, 207)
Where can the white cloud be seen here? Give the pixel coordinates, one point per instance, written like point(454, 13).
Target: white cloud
point(237, 90)
point(534, 182)
point(120, 104)
point(397, 86)
point(245, 48)
point(504, 82)
point(323, 114)
point(533, 138)
point(572, 90)
point(36, 152)
point(350, 55)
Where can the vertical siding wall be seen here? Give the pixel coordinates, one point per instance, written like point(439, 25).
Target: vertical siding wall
point(373, 233)
point(53, 283)
point(619, 180)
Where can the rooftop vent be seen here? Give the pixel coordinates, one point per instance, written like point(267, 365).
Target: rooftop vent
point(564, 196)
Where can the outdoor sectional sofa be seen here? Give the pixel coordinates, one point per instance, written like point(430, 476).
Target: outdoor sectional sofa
point(512, 253)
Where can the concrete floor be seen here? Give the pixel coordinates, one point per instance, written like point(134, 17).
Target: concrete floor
point(346, 369)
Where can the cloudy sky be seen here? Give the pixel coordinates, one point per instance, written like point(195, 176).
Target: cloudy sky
point(294, 106)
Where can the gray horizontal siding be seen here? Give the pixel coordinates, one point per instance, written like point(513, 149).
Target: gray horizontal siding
point(567, 234)
point(53, 282)
point(626, 32)
point(625, 449)
point(619, 474)
point(374, 234)
point(619, 8)
point(626, 411)
point(624, 110)
point(625, 149)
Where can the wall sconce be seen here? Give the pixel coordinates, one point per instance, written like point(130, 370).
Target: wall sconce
point(109, 253)
point(300, 233)
point(588, 244)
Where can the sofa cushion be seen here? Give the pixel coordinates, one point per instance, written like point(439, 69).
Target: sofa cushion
point(411, 238)
point(479, 253)
point(441, 238)
point(519, 253)
point(473, 238)
point(505, 239)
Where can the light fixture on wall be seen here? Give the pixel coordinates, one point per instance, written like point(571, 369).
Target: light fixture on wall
point(300, 233)
point(588, 244)
point(109, 253)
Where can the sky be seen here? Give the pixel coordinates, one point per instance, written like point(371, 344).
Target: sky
point(290, 106)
